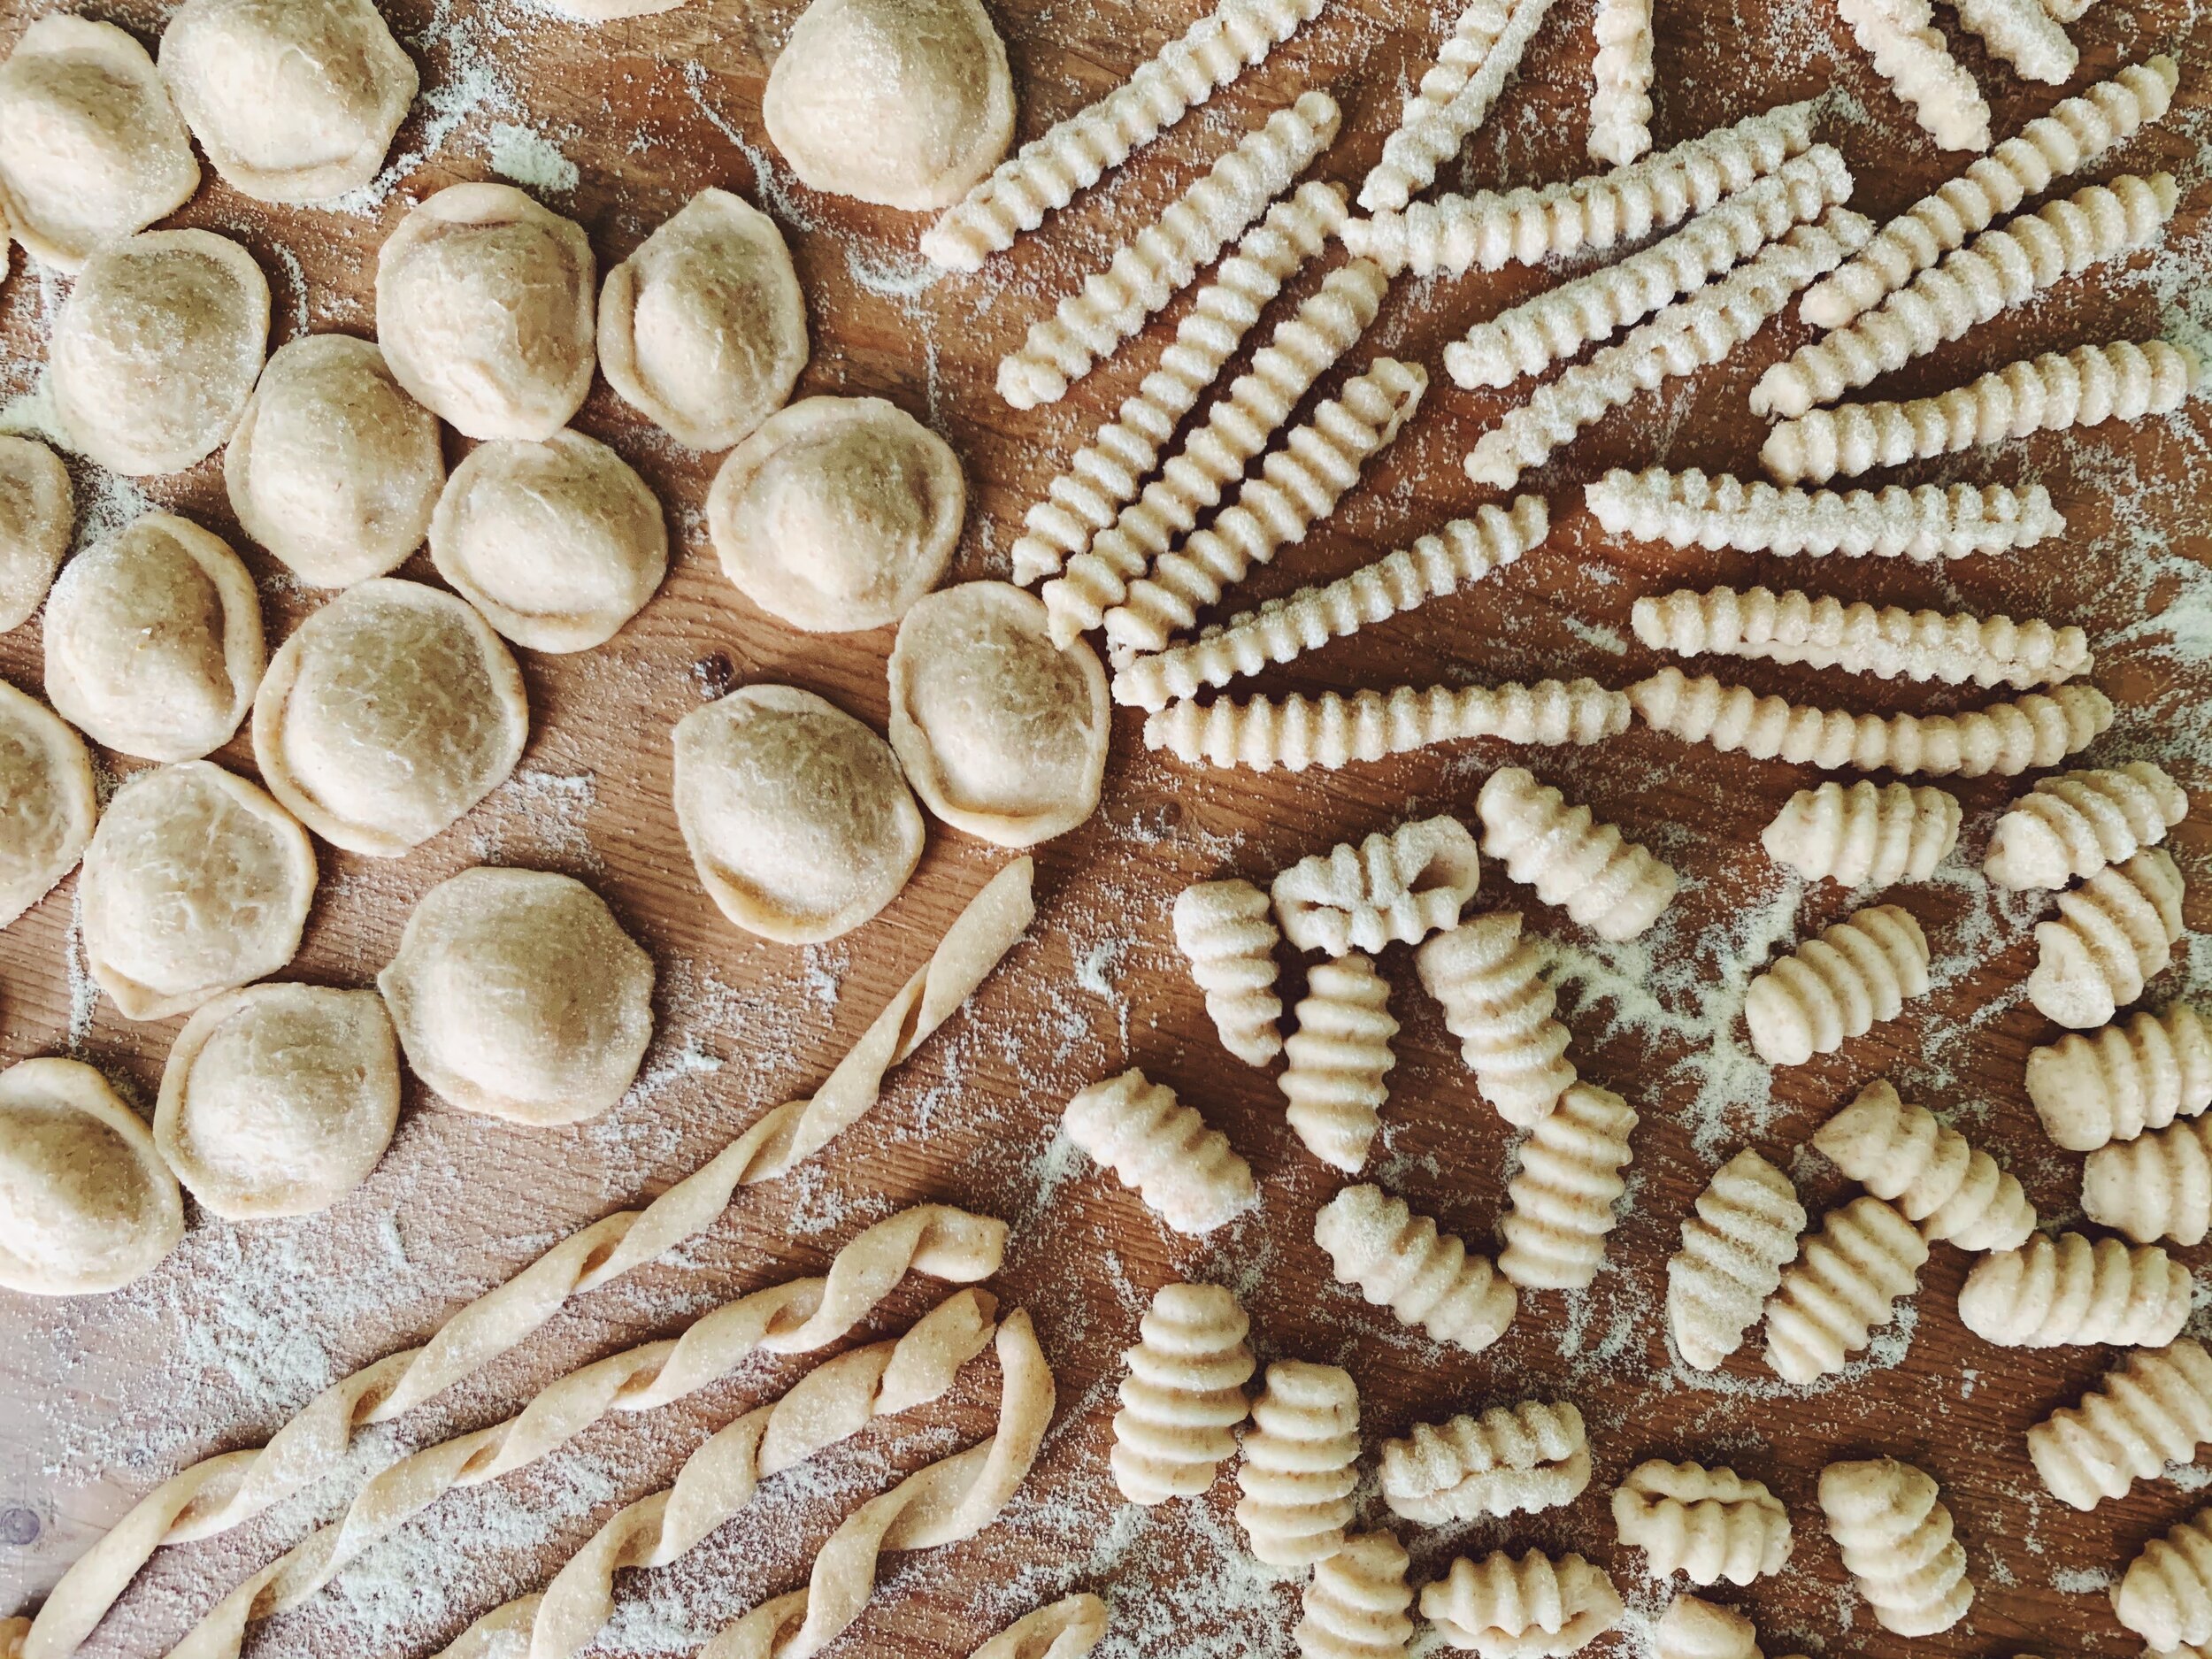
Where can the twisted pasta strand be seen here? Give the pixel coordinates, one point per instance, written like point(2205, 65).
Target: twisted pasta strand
point(1297, 1473)
point(1842, 1287)
point(1497, 1002)
point(1868, 833)
point(2158, 1186)
point(2114, 1083)
point(1184, 1395)
point(1332, 731)
point(1907, 51)
point(1225, 930)
point(2166, 1596)
point(1888, 1519)
point(1559, 1205)
point(1838, 986)
point(2153, 1409)
point(1705, 1523)
point(1395, 888)
point(1401, 1262)
point(1932, 522)
point(1065, 1629)
point(1933, 1173)
point(1185, 1173)
point(1692, 1628)
point(1620, 92)
point(1743, 1232)
point(1606, 882)
point(1479, 57)
point(2076, 824)
point(1356, 1606)
point(2025, 35)
point(1338, 1057)
point(1533, 1455)
point(2114, 934)
point(2073, 1290)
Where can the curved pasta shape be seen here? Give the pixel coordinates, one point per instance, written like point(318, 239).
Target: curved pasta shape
point(1705, 1523)
point(2112, 1085)
point(1396, 886)
point(2114, 933)
point(1559, 1205)
point(1463, 551)
point(1864, 833)
point(2074, 824)
point(1911, 54)
point(1337, 1056)
point(1741, 1234)
point(1693, 1628)
point(1932, 522)
point(2153, 1409)
point(2166, 1596)
point(1534, 1607)
point(1998, 268)
point(1930, 1171)
point(1185, 1173)
point(1843, 1287)
point(1479, 57)
point(1497, 1002)
point(1888, 1520)
point(1184, 1395)
point(1047, 172)
point(1401, 1262)
point(2074, 1291)
point(1065, 1629)
point(1297, 1473)
point(1620, 76)
point(1607, 883)
point(1332, 731)
point(2158, 1186)
point(1840, 985)
point(2040, 729)
point(1505, 1461)
point(1356, 1605)
point(1226, 933)
point(2025, 35)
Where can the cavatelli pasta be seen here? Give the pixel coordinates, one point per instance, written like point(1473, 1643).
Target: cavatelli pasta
point(1865, 834)
point(1888, 1519)
point(1399, 1261)
point(1186, 1173)
point(1707, 1525)
point(1226, 931)
point(1184, 1395)
point(1838, 986)
point(1930, 1171)
point(1297, 1473)
point(2111, 1085)
point(1338, 1057)
point(1609, 883)
point(1395, 886)
point(2074, 824)
point(2114, 933)
point(1559, 1204)
point(2073, 1290)
point(2153, 1409)
point(1504, 1461)
point(1741, 1234)
point(1843, 1286)
point(1497, 1002)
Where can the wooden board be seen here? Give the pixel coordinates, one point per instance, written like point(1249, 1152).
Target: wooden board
point(104, 1397)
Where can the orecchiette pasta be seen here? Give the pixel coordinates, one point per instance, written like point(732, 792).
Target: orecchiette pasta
point(1734, 1247)
point(1559, 1206)
point(1693, 1628)
point(1534, 1607)
point(1184, 1395)
point(1297, 1473)
point(1910, 53)
point(2166, 1596)
point(1479, 58)
point(1185, 1173)
point(1609, 883)
point(1854, 976)
point(1356, 1606)
point(1401, 1262)
point(2114, 933)
point(1507, 1460)
point(1931, 1173)
point(1398, 887)
point(2076, 824)
point(1225, 930)
point(1332, 730)
point(1705, 1523)
point(1497, 1002)
point(2158, 1186)
point(1842, 1287)
point(1888, 1519)
point(2113, 1084)
point(2153, 1409)
point(1865, 834)
point(1932, 522)
point(2075, 1291)
point(1337, 1056)
point(1065, 1629)
point(1620, 94)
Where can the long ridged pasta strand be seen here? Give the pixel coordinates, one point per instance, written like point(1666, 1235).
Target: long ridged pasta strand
point(1911, 54)
point(1935, 521)
point(1332, 731)
point(1479, 58)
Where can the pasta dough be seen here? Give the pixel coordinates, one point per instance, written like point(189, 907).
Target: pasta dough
point(1184, 1395)
point(157, 348)
point(386, 715)
point(1002, 733)
point(153, 641)
point(902, 103)
point(517, 994)
point(484, 309)
point(797, 816)
point(293, 100)
point(702, 329)
point(334, 468)
point(196, 883)
point(86, 1203)
point(47, 800)
point(1188, 1174)
point(278, 1100)
point(557, 543)
point(838, 514)
point(38, 514)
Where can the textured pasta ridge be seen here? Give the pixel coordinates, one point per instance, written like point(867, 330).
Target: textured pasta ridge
point(1184, 1395)
point(1047, 172)
point(2076, 824)
point(1226, 931)
point(2114, 934)
point(2153, 1409)
point(1464, 551)
point(1458, 233)
point(1144, 274)
point(1741, 1234)
point(1396, 886)
point(2071, 136)
point(1530, 337)
point(2075, 1291)
point(1705, 1523)
point(1399, 1261)
point(1620, 82)
point(1934, 521)
point(1065, 1629)
point(1606, 882)
point(1843, 1287)
point(1479, 57)
point(1693, 1628)
point(1337, 1058)
point(1105, 474)
point(1888, 1520)
point(1838, 986)
point(1297, 1473)
point(2040, 729)
point(2166, 1596)
point(1333, 730)
point(1533, 1455)
point(1496, 1001)
point(1997, 268)
point(1185, 1173)
point(1527, 1608)
point(1930, 1171)
point(1864, 832)
point(1356, 1606)
point(2158, 1186)
point(1911, 54)
point(2025, 35)
point(1559, 1204)
point(2113, 1084)
point(1688, 333)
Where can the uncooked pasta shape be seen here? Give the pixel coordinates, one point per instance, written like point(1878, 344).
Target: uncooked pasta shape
point(1534, 1607)
point(1606, 882)
point(1185, 1173)
point(2113, 1084)
point(1693, 1628)
point(2073, 1291)
point(1399, 1261)
point(1843, 1287)
point(1333, 730)
point(1930, 1171)
point(2151, 1409)
point(1396, 886)
point(1910, 53)
point(2114, 933)
point(1854, 976)
point(1337, 1058)
point(1065, 1629)
point(1497, 1002)
point(1707, 1525)
point(1559, 1204)
point(1508, 1460)
point(2072, 825)
point(1184, 1395)
point(1888, 1520)
point(2158, 1186)
point(1226, 932)
point(1864, 833)
point(2166, 1596)
point(2025, 35)
point(1479, 57)
point(1356, 1605)
point(1297, 1473)
point(1620, 76)
point(1932, 522)
point(1743, 1232)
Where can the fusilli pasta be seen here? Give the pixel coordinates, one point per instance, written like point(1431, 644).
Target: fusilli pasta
point(1932, 522)
point(1333, 730)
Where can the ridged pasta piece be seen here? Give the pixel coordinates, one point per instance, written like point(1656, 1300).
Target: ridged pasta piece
point(2151, 1409)
point(2073, 1291)
point(1686, 334)
point(2086, 387)
point(1105, 474)
point(2111, 1085)
point(1693, 1628)
point(1479, 57)
point(1606, 882)
point(1065, 1629)
point(1620, 82)
point(1337, 1056)
point(2114, 933)
point(1216, 454)
point(1463, 551)
point(1930, 1171)
point(1888, 1520)
point(1401, 1262)
point(1534, 1607)
point(1505, 1461)
point(1186, 1173)
point(1740, 1235)
point(2074, 824)
point(1297, 487)
point(2166, 1596)
point(1998, 268)
point(1821, 632)
point(1935, 521)
point(1356, 1606)
point(1047, 172)
point(1458, 233)
point(1856, 974)
point(1497, 1002)
point(2039, 729)
point(1297, 1473)
point(1705, 1523)
point(1397, 887)
point(2158, 1186)
point(1910, 53)
point(1332, 730)
point(1864, 833)
point(1167, 254)
point(1555, 325)
point(1559, 1204)
point(1184, 1395)
point(2071, 137)
point(2025, 35)
point(1843, 1287)
point(1226, 931)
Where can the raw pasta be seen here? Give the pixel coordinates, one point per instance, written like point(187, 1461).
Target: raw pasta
point(1399, 1261)
point(1854, 976)
point(2140, 1073)
point(1741, 1235)
point(1226, 933)
point(1297, 1471)
point(2025, 35)
point(1356, 1605)
point(1396, 886)
point(1865, 834)
point(1910, 53)
point(2158, 1186)
point(1620, 94)
point(1184, 1395)
point(2166, 1596)
point(1482, 52)
point(1185, 1173)
point(2074, 824)
point(1559, 1204)
point(2153, 1408)
point(1707, 1525)
point(86, 1203)
point(47, 801)
point(1609, 884)
point(1332, 730)
point(1930, 1171)
point(1888, 1520)
point(2075, 1291)
point(1065, 1629)
point(1337, 1055)
point(1692, 1628)
point(1535, 1608)
point(1842, 1288)
point(1932, 522)
point(1508, 1460)
point(1497, 1002)
point(2114, 933)
point(38, 518)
